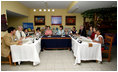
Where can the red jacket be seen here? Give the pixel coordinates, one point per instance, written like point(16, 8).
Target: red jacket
point(93, 35)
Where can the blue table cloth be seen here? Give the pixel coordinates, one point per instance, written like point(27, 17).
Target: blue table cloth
point(47, 43)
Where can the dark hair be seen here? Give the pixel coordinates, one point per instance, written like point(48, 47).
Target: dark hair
point(101, 32)
point(24, 29)
point(10, 29)
point(37, 29)
point(48, 26)
point(74, 27)
point(61, 27)
point(98, 30)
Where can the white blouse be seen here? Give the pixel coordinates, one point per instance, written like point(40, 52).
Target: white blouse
point(38, 34)
point(96, 38)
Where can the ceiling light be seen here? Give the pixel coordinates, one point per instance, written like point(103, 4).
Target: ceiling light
point(49, 10)
point(53, 10)
point(44, 10)
point(40, 9)
point(34, 10)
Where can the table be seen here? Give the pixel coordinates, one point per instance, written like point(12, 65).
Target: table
point(27, 52)
point(55, 42)
point(82, 51)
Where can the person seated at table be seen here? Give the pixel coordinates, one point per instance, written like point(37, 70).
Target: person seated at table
point(20, 34)
point(26, 32)
point(73, 31)
point(38, 32)
point(90, 31)
point(93, 33)
point(54, 31)
point(46, 27)
point(82, 31)
point(48, 31)
point(9, 39)
point(66, 31)
point(98, 37)
point(61, 31)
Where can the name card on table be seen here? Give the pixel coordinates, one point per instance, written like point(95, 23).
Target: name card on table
point(90, 44)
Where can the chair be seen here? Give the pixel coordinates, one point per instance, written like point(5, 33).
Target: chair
point(9, 57)
point(107, 47)
point(10, 62)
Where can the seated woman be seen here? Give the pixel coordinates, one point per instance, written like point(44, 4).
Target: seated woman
point(61, 31)
point(73, 31)
point(98, 37)
point(93, 33)
point(38, 32)
point(66, 31)
point(90, 31)
point(26, 32)
point(48, 31)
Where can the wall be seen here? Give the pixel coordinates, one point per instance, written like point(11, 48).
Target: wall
point(13, 6)
point(58, 12)
point(16, 21)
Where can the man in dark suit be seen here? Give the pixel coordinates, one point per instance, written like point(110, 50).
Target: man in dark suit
point(82, 31)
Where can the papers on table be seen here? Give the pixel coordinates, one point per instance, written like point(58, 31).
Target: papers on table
point(85, 39)
point(81, 38)
point(48, 36)
point(62, 36)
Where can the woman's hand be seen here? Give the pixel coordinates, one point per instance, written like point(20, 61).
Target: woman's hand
point(88, 37)
point(93, 40)
point(19, 42)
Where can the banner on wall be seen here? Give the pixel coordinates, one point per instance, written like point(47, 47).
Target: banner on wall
point(28, 25)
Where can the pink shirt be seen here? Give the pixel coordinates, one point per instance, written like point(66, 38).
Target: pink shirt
point(48, 32)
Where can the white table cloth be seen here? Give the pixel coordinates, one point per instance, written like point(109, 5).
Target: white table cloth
point(82, 51)
point(27, 52)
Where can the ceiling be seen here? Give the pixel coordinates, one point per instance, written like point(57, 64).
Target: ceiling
point(79, 7)
point(47, 4)
point(13, 14)
point(82, 6)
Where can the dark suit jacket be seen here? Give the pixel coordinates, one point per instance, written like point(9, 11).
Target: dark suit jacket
point(82, 32)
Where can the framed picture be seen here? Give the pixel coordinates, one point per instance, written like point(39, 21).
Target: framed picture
point(56, 20)
point(39, 20)
point(70, 20)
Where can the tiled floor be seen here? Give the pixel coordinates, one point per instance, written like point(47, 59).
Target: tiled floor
point(63, 60)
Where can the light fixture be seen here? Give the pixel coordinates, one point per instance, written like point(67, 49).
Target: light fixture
point(53, 10)
point(40, 10)
point(34, 10)
point(49, 10)
point(44, 10)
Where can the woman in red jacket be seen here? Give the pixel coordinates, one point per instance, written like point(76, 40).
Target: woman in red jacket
point(93, 33)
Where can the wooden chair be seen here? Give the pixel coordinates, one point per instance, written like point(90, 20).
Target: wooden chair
point(9, 57)
point(107, 48)
point(10, 62)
